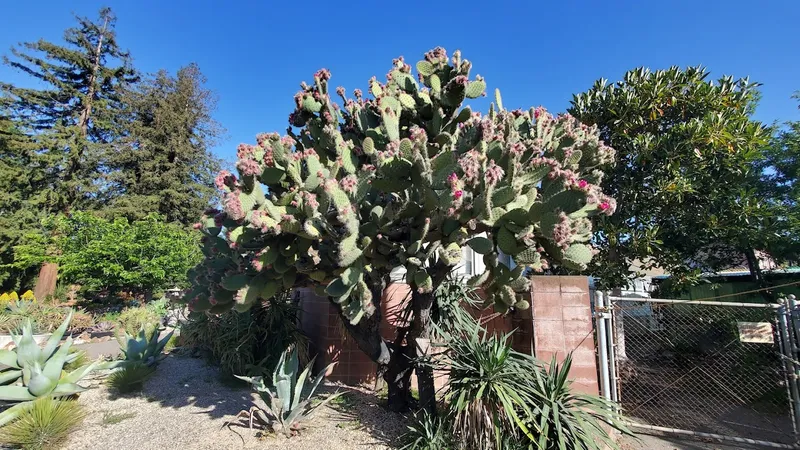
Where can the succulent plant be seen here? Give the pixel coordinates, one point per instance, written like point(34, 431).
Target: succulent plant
point(405, 178)
point(32, 372)
point(142, 348)
point(288, 400)
point(101, 327)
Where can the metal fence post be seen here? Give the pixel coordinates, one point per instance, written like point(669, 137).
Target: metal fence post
point(612, 350)
point(787, 351)
point(602, 345)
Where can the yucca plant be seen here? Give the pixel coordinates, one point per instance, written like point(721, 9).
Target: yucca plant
point(288, 400)
point(43, 424)
point(567, 420)
point(32, 372)
point(489, 396)
point(427, 432)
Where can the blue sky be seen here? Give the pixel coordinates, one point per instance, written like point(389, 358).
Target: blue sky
point(538, 53)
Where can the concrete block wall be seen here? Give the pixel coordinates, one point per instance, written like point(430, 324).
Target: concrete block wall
point(558, 322)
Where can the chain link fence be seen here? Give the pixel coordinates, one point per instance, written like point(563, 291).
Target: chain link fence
point(709, 368)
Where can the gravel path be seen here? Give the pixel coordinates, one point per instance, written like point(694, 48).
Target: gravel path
point(185, 406)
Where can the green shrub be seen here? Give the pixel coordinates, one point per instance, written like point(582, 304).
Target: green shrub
point(248, 343)
point(130, 378)
point(79, 359)
point(44, 425)
point(143, 256)
point(133, 319)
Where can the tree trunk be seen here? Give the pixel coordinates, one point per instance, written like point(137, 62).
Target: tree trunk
point(756, 275)
point(393, 359)
point(87, 108)
point(46, 283)
point(419, 339)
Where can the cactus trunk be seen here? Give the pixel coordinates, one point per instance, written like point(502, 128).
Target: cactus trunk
point(419, 338)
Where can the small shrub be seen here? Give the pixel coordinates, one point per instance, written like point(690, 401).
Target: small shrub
point(133, 319)
point(426, 432)
point(130, 378)
point(248, 343)
point(81, 321)
point(43, 425)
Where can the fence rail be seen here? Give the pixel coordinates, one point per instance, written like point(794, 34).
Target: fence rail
point(709, 368)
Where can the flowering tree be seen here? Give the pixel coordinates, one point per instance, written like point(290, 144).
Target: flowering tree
point(405, 178)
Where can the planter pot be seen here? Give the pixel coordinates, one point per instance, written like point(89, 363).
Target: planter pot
point(6, 342)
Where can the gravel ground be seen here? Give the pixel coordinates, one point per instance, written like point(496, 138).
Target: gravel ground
point(185, 406)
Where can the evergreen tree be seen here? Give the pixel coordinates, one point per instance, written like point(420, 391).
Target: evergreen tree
point(52, 138)
point(163, 164)
point(71, 119)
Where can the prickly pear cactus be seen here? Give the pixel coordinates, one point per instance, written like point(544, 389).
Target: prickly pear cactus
point(403, 175)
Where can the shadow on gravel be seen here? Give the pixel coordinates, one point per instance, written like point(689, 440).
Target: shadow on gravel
point(181, 381)
point(361, 410)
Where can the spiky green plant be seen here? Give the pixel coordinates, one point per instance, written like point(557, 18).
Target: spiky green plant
point(43, 424)
point(131, 377)
point(406, 178)
point(489, 396)
point(427, 432)
point(568, 420)
point(289, 400)
point(32, 372)
point(144, 349)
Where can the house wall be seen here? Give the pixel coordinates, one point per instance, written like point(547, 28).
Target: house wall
point(559, 322)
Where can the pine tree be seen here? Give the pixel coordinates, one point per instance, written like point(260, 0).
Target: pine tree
point(52, 139)
point(71, 120)
point(163, 164)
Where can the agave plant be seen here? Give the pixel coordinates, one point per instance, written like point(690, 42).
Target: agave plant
point(32, 372)
point(141, 349)
point(288, 400)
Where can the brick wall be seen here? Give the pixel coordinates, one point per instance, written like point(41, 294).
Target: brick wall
point(558, 322)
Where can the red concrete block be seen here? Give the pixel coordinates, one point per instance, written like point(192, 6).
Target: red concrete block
point(545, 284)
point(574, 284)
point(584, 358)
point(577, 313)
point(584, 375)
point(547, 310)
point(578, 328)
point(549, 335)
point(575, 299)
point(574, 342)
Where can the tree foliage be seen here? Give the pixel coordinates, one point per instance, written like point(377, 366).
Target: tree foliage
point(102, 255)
point(685, 179)
point(162, 162)
point(71, 119)
point(781, 170)
point(91, 136)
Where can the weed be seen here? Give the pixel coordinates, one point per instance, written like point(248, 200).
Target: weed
point(110, 418)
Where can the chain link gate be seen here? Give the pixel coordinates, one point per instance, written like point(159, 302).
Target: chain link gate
point(709, 369)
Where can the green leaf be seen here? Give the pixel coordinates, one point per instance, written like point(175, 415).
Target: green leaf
point(236, 281)
point(480, 245)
